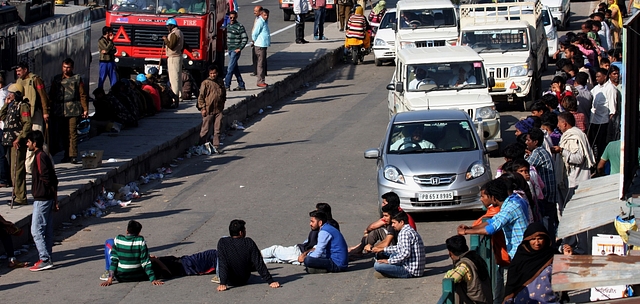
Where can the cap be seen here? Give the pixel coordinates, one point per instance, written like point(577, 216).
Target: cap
point(525, 125)
point(172, 21)
point(141, 78)
point(16, 87)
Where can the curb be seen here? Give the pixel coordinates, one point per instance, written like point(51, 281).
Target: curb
point(131, 170)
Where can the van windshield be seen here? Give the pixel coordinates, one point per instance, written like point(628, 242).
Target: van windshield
point(499, 40)
point(427, 18)
point(161, 6)
point(445, 76)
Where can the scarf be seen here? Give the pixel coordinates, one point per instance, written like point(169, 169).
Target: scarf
point(528, 263)
point(380, 6)
point(573, 138)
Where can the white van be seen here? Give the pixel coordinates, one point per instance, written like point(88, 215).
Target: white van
point(448, 77)
point(425, 23)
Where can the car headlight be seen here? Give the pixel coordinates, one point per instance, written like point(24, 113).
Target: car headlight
point(551, 35)
point(476, 170)
point(519, 70)
point(379, 42)
point(554, 9)
point(392, 173)
point(486, 113)
point(407, 44)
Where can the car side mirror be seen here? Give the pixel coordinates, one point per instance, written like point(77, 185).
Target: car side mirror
point(372, 154)
point(492, 82)
point(491, 145)
point(556, 22)
point(394, 26)
point(399, 87)
point(391, 87)
point(530, 73)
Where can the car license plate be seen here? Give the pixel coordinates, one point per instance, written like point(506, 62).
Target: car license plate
point(499, 85)
point(435, 196)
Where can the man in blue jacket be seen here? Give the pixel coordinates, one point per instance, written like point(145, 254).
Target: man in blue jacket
point(331, 253)
point(261, 36)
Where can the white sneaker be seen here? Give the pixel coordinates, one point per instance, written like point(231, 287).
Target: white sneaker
point(205, 149)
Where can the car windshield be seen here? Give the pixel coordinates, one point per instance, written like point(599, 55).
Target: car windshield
point(445, 76)
point(427, 18)
point(161, 6)
point(432, 137)
point(388, 20)
point(496, 41)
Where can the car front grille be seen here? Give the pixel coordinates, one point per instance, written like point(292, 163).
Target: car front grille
point(430, 43)
point(434, 180)
point(151, 36)
point(499, 73)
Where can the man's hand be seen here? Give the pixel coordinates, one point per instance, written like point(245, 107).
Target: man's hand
point(274, 285)
point(223, 287)
point(368, 248)
point(204, 113)
point(85, 114)
point(108, 282)
point(45, 117)
point(377, 249)
point(556, 149)
point(103, 51)
point(16, 143)
point(567, 250)
point(385, 261)
point(461, 229)
point(157, 282)
point(302, 256)
point(56, 207)
point(237, 51)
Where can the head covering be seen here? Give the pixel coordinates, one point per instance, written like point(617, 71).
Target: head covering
point(525, 125)
point(16, 88)
point(359, 10)
point(141, 78)
point(172, 21)
point(380, 6)
point(528, 263)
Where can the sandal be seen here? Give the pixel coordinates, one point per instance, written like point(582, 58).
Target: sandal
point(18, 264)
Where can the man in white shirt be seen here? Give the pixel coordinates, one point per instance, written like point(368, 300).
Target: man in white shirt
point(421, 78)
point(605, 101)
point(412, 138)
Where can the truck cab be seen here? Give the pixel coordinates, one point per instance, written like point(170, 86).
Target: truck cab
point(448, 77)
point(425, 23)
point(511, 39)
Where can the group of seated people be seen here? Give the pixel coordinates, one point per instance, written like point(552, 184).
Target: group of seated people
point(459, 75)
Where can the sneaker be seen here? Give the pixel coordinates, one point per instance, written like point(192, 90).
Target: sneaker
point(41, 265)
point(240, 89)
point(263, 85)
point(215, 279)
point(316, 38)
point(324, 38)
point(105, 275)
point(208, 148)
point(316, 270)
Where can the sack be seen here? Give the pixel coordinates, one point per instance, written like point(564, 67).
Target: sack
point(622, 226)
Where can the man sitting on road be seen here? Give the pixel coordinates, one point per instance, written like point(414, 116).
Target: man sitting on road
point(380, 237)
point(167, 267)
point(406, 260)
point(330, 254)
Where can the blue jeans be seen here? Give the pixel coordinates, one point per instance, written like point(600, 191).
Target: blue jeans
point(233, 69)
point(107, 69)
point(321, 263)
point(393, 271)
point(42, 228)
point(108, 245)
point(318, 24)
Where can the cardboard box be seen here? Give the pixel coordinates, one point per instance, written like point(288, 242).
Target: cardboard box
point(602, 245)
point(91, 159)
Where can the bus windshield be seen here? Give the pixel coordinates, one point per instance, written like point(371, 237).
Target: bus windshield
point(161, 6)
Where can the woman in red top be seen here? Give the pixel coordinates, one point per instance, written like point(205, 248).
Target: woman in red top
point(559, 88)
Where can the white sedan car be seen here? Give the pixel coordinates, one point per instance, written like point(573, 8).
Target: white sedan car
point(384, 44)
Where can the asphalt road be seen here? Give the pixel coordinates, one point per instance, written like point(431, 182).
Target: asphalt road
point(306, 149)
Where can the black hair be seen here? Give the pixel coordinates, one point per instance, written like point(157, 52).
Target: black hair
point(559, 79)
point(401, 217)
point(515, 181)
point(106, 30)
point(550, 100)
point(522, 138)
point(520, 163)
point(497, 189)
point(537, 135)
point(582, 78)
point(536, 121)
point(539, 106)
point(319, 215)
point(514, 151)
point(572, 48)
point(392, 199)
point(134, 227)
point(507, 167)
point(605, 60)
point(266, 11)
point(568, 118)
point(68, 61)
point(212, 67)
point(326, 208)
point(236, 226)
point(614, 68)
point(36, 137)
point(23, 65)
point(392, 210)
point(603, 72)
point(98, 91)
point(549, 119)
point(233, 13)
point(457, 244)
point(570, 103)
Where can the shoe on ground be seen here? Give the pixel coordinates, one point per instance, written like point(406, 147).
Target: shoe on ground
point(379, 275)
point(239, 89)
point(263, 85)
point(228, 88)
point(342, 30)
point(304, 41)
point(17, 264)
point(324, 38)
point(316, 38)
point(215, 279)
point(17, 203)
point(41, 265)
point(299, 42)
point(105, 275)
point(316, 270)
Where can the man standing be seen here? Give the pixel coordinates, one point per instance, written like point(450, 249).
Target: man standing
point(36, 95)
point(300, 8)
point(541, 159)
point(16, 115)
point(585, 99)
point(406, 260)
point(330, 254)
point(211, 104)
point(175, 44)
point(44, 188)
point(237, 256)
point(605, 101)
point(257, 13)
point(344, 10)
point(107, 56)
point(261, 36)
point(69, 99)
point(577, 156)
point(236, 41)
point(319, 13)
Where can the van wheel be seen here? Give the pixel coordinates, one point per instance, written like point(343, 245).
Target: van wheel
point(377, 62)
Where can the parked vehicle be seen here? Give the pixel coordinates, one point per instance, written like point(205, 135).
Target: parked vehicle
point(551, 28)
point(431, 78)
point(384, 44)
point(561, 10)
point(434, 160)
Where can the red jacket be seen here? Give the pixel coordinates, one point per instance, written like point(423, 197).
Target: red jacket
point(44, 180)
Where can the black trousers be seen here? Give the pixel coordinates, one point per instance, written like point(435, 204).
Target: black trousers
point(300, 27)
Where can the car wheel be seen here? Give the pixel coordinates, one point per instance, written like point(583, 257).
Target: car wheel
point(377, 62)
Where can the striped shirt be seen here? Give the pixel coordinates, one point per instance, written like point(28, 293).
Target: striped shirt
point(540, 158)
point(130, 259)
point(409, 252)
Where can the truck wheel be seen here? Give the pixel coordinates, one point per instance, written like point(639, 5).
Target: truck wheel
point(287, 15)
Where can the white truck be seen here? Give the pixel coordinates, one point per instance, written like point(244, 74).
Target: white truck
point(425, 23)
point(447, 77)
point(511, 39)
